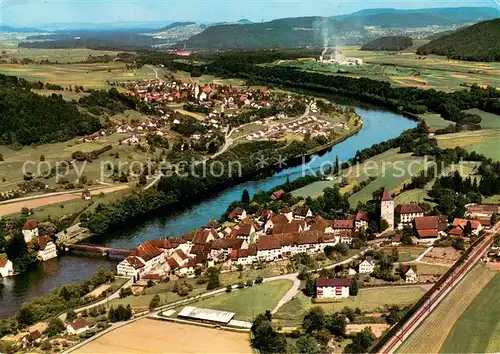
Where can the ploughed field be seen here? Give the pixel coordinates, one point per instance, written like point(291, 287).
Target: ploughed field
point(154, 336)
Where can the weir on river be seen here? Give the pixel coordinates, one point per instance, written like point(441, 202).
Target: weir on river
point(378, 126)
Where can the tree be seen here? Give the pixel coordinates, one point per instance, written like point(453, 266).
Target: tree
point(213, 278)
point(1, 157)
point(353, 288)
point(310, 288)
point(314, 319)
point(70, 315)
point(259, 280)
point(155, 302)
point(142, 180)
point(249, 283)
point(336, 325)
point(329, 251)
point(336, 167)
point(55, 327)
point(494, 219)
point(307, 345)
point(26, 316)
point(341, 248)
point(42, 158)
point(229, 288)
point(361, 341)
point(468, 228)
point(245, 196)
point(64, 293)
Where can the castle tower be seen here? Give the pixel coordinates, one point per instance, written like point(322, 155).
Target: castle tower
point(387, 208)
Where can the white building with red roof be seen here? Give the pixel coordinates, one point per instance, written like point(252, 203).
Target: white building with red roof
point(407, 213)
point(78, 326)
point(332, 288)
point(30, 230)
point(6, 268)
point(143, 259)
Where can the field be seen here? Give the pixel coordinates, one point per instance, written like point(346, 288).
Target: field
point(248, 303)
point(65, 56)
point(485, 141)
point(152, 336)
point(488, 121)
point(432, 333)
point(478, 329)
point(369, 300)
point(391, 169)
point(413, 196)
point(409, 69)
point(435, 121)
point(406, 254)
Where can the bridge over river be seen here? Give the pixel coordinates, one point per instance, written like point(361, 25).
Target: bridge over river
point(103, 250)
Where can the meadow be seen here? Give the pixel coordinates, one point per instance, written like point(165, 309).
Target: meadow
point(435, 121)
point(368, 300)
point(432, 333)
point(249, 302)
point(484, 141)
point(478, 329)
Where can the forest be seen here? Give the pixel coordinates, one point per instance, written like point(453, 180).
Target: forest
point(389, 43)
point(27, 118)
point(479, 42)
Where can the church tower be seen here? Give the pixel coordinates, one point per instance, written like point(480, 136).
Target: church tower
point(387, 208)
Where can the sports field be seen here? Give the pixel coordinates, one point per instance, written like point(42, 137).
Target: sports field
point(152, 336)
point(478, 329)
point(432, 333)
point(369, 300)
point(248, 303)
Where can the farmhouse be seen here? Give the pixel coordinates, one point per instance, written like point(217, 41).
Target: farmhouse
point(429, 228)
point(361, 220)
point(48, 249)
point(408, 273)
point(407, 213)
point(6, 268)
point(32, 338)
point(30, 230)
point(237, 214)
point(481, 210)
point(332, 288)
point(459, 225)
point(367, 266)
point(78, 326)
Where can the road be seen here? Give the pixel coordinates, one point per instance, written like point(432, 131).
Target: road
point(418, 317)
point(156, 72)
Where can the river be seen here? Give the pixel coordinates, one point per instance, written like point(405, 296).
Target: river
point(378, 126)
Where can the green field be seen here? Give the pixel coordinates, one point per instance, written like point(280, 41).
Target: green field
point(467, 138)
point(478, 328)
point(435, 121)
point(248, 303)
point(489, 148)
point(488, 120)
point(431, 269)
point(409, 69)
point(370, 299)
point(412, 196)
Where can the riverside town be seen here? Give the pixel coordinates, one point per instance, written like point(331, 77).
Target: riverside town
point(300, 177)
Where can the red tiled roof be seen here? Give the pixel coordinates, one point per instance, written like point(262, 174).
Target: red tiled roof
point(343, 224)
point(135, 262)
point(362, 216)
point(152, 276)
point(456, 231)
point(293, 226)
point(429, 222)
point(268, 242)
point(146, 251)
point(279, 219)
point(278, 194)
point(409, 209)
point(428, 233)
point(43, 241)
point(33, 336)
point(332, 282)
point(30, 225)
point(181, 254)
point(79, 323)
point(386, 196)
point(173, 263)
point(463, 222)
point(236, 212)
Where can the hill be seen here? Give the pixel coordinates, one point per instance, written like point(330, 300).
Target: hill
point(174, 25)
point(19, 29)
point(27, 118)
point(439, 35)
point(389, 43)
point(479, 42)
point(310, 31)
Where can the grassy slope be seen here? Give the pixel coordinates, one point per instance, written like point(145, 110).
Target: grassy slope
point(248, 303)
point(478, 329)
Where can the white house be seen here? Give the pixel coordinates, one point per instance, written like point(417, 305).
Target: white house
point(30, 230)
point(48, 249)
point(409, 275)
point(131, 266)
point(361, 220)
point(6, 268)
point(78, 326)
point(332, 288)
point(407, 213)
point(367, 266)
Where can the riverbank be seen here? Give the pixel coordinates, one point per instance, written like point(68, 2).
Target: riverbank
point(378, 125)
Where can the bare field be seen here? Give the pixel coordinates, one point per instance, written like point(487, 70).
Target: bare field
point(151, 336)
point(377, 328)
point(432, 333)
point(442, 255)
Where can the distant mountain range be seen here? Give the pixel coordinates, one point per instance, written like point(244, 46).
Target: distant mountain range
point(347, 29)
point(19, 29)
point(479, 42)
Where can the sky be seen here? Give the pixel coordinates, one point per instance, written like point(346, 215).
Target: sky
point(38, 12)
